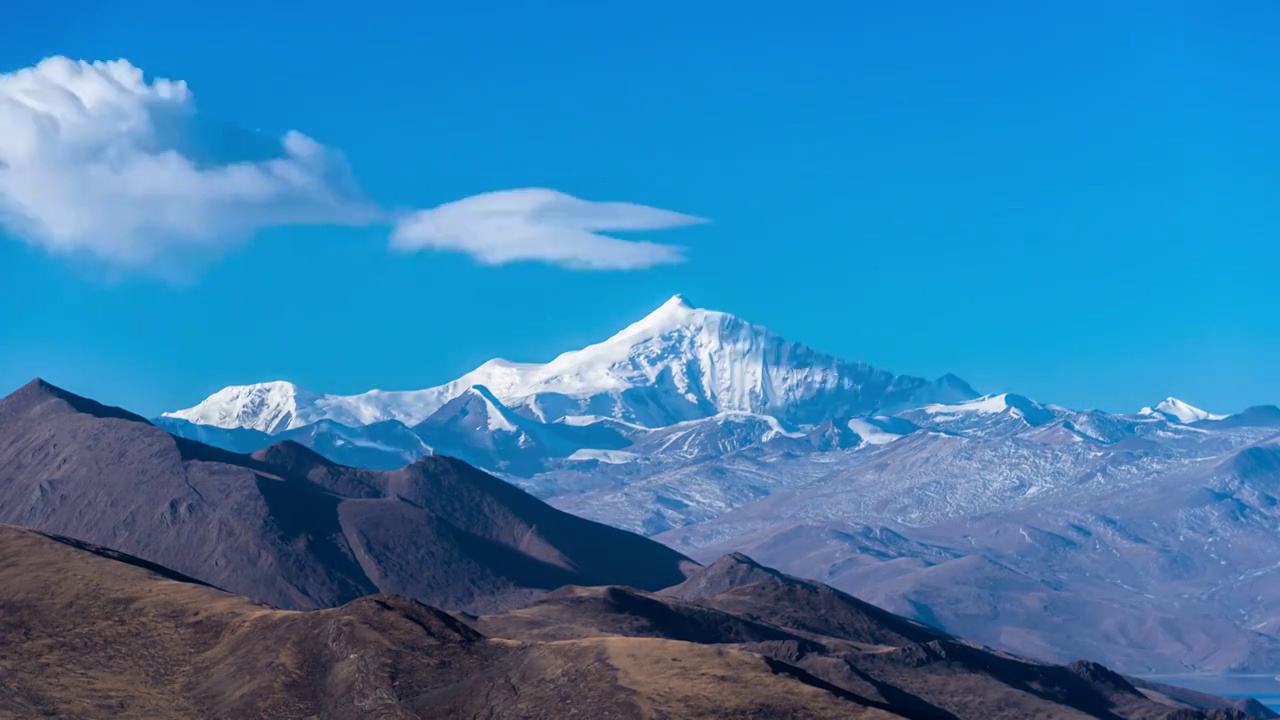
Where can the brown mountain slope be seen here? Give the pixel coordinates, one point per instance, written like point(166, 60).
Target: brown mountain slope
point(289, 528)
point(88, 633)
point(736, 583)
point(884, 660)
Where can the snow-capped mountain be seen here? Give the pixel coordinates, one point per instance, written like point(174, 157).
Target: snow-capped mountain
point(991, 511)
point(678, 363)
point(475, 426)
point(1175, 410)
point(1002, 414)
point(275, 407)
point(972, 513)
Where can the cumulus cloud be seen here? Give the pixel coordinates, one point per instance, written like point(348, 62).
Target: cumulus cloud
point(544, 225)
point(97, 160)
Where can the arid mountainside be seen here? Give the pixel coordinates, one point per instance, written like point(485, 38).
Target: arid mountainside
point(87, 632)
point(882, 659)
point(286, 527)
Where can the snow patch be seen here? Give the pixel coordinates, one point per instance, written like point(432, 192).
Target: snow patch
point(986, 405)
point(612, 457)
point(872, 434)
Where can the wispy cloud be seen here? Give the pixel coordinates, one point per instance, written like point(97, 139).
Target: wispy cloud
point(543, 225)
point(97, 160)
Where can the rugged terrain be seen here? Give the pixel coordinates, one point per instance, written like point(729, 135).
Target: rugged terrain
point(984, 515)
point(88, 632)
point(287, 527)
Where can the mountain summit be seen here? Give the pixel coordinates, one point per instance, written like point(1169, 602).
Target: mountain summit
point(1175, 410)
point(677, 363)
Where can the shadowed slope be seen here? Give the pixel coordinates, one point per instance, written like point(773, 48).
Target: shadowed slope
point(87, 635)
point(287, 527)
point(736, 583)
point(881, 659)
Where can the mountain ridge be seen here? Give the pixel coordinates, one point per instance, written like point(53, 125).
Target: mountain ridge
point(292, 528)
point(953, 485)
point(144, 641)
point(677, 363)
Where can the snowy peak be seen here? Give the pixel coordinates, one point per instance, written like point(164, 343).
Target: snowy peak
point(674, 313)
point(1016, 405)
point(987, 416)
point(1175, 410)
point(275, 407)
point(475, 410)
point(946, 390)
point(497, 417)
point(685, 363)
point(675, 305)
point(268, 407)
point(678, 363)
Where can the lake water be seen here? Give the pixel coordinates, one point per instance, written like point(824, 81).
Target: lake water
point(1263, 688)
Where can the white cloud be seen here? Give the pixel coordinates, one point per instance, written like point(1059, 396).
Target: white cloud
point(97, 160)
point(545, 225)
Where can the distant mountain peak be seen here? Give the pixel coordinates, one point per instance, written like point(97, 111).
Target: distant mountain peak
point(672, 314)
point(677, 363)
point(498, 417)
point(269, 407)
point(679, 302)
point(1171, 408)
point(989, 415)
point(956, 384)
point(987, 404)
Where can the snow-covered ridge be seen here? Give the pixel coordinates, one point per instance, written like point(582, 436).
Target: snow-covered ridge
point(1175, 410)
point(611, 457)
point(984, 405)
point(1016, 405)
point(876, 431)
point(678, 363)
point(274, 407)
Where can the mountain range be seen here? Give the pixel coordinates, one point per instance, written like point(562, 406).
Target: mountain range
point(435, 590)
point(982, 514)
point(287, 527)
point(678, 363)
point(90, 632)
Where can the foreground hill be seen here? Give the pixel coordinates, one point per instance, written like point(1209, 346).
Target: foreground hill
point(90, 633)
point(287, 527)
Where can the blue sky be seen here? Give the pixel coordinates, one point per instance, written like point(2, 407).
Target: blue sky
point(1079, 204)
